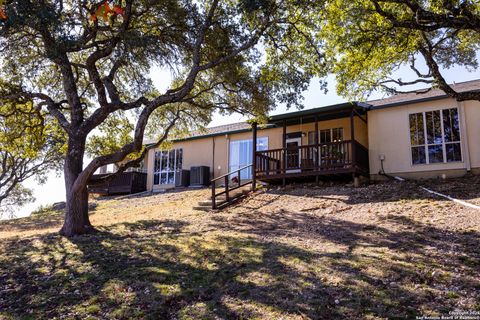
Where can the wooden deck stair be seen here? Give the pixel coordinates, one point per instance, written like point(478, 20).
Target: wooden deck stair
point(221, 201)
point(227, 189)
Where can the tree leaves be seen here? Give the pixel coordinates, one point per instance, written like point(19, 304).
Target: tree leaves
point(367, 41)
point(3, 15)
point(106, 12)
point(31, 144)
point(86, 69)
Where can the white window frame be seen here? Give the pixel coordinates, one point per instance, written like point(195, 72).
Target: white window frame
point(331, 135)
point(232, 142)
point(160, 170)
point(443, 143)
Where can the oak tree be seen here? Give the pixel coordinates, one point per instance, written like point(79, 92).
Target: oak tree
point(88, 62)
point(368, 40)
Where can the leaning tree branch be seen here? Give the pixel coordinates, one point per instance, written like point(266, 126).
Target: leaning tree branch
point(171, 96)
point(121, 154)
point(392, 90)
point(52, 106)
point(402, 83)
point(428, 54)
point(460, 17)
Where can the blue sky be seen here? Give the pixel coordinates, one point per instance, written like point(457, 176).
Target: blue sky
point(54, 191)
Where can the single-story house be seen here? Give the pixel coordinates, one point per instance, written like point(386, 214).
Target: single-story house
point(409, 135)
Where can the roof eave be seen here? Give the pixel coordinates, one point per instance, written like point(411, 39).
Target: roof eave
point(319, 111)
point(419, 100)
point(267, 126)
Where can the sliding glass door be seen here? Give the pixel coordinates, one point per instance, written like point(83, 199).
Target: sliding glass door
point(241, 155)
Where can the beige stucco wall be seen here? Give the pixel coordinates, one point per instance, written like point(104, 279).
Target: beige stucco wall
point(197, 152)
point(214, 151)
point(472, 120)
point(149, 165)
point(388, 134)
point(360, 128)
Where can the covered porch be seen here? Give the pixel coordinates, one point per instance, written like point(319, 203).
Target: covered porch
point(309, 150)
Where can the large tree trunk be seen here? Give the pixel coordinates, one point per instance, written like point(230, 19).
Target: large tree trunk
point(76, 214)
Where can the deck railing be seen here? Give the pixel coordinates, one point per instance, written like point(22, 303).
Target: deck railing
point(334, 156)
point(361, 157)
point(328, 158)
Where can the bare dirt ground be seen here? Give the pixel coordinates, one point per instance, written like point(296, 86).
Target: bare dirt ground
point(385, 250)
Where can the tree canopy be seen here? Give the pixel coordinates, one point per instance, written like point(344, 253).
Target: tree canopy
point(368, 40)
point(30, 145)
point(88, 63)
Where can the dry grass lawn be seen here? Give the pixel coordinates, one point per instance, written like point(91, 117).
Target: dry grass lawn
point(381, 251)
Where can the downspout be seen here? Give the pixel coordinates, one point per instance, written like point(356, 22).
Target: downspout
point(227, 137)
point(213, 157)
point(464, 135)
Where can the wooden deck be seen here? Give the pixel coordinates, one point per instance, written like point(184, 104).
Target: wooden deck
point(293, 163)
point(335, 158)
point(123, 183)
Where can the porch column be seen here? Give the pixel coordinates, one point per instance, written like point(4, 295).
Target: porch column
point(352, 138)
point(254, 156)
point(284, 146)
point(317, 160)
point(352, 125)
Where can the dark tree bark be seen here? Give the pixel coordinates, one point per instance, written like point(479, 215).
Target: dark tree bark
point(76, 220)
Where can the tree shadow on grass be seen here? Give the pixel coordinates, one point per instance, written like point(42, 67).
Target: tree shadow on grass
point(438, 268)
point(159, 270)
point(40, 221)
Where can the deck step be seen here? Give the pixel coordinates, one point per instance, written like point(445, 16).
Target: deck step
point(203, 208)
point(209, 202)
point(221, 201)
point(206, 205)
point(233, 194)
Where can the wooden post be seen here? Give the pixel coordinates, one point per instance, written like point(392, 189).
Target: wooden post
point(352, 138)
point(284, 147)
point(352, 125)
point(214, 204)
point(254, 156)
point(227, 190)
point(316, 141)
